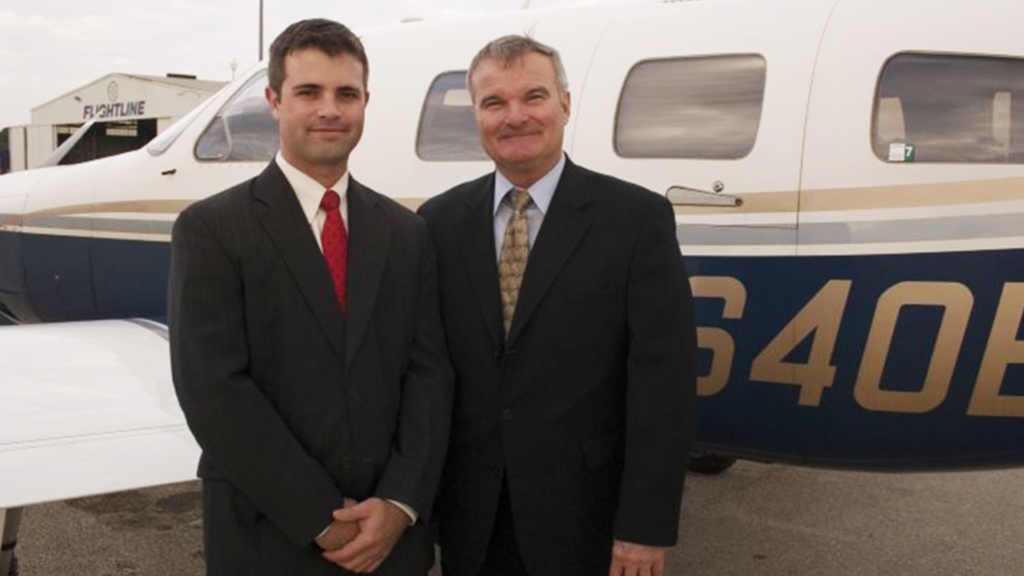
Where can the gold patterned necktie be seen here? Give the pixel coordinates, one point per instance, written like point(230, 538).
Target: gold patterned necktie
point(515, 247)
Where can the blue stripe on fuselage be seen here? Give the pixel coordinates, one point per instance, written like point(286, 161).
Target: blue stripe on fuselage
point(765, 419)
point(747, 418)
point(54, 278)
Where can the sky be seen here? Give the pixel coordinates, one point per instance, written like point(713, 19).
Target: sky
point(51, 47)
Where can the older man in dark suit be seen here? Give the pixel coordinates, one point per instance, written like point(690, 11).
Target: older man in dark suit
point(569, 323)
point(306, 344)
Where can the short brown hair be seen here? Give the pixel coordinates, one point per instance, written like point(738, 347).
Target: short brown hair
point(327, 36)
point(511, 48)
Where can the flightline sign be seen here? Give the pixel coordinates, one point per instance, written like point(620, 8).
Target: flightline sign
point(114, 109)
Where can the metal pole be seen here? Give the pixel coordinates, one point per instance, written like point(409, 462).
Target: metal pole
point(261, 30)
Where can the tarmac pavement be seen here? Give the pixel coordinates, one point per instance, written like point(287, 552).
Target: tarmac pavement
point(756, 519)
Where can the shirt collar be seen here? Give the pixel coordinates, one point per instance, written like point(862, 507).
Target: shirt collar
point(307, 190)
point(541, 192)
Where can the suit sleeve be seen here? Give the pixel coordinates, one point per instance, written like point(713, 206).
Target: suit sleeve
point(417, 455)
point(661, 384)
point(236, 425)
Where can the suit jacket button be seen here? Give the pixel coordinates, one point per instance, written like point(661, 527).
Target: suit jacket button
point(506, 414)
point(496, 471)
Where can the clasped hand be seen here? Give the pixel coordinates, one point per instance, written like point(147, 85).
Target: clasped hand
point(362, 535)
point(630, 559)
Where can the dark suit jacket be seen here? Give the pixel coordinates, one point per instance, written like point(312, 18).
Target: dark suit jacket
point(294, 404)
point(587, 406)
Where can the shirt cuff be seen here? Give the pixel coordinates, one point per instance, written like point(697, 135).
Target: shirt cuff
point(322, 532)
point(407, 509)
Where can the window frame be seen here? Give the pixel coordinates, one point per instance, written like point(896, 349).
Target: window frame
point(261, 75)
point(691, 58)
point(876, 104)
point(421, 128)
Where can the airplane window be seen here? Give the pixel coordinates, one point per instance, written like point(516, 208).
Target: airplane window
point(705, 107)
point(244, 130)
point(949, 108)
point(447, 127)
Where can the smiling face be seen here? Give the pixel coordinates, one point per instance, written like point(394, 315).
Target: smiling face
point(319, 112)
point(520, 115)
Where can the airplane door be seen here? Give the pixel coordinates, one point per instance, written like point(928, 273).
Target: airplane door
point(683, 100)
point(913, 195)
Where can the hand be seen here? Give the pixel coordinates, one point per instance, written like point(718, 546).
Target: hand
point(636, 560)
point(339, 533)
point(381, 524)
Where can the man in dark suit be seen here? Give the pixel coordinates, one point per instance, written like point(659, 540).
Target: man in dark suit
point(307, 350)
point(569, 323)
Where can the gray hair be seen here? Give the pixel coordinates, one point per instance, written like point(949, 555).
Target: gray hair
point(511, 48)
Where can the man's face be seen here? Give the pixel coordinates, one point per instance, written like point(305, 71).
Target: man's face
point(320, 109)
point(520, 116)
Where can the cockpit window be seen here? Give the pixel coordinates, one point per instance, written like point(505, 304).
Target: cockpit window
point(447, 127)
point(950, 108)
point(161, 143)
point(706, 107)
point(243, 131)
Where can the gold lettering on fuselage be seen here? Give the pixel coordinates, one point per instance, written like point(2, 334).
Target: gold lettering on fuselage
point(1002, 350)
point(717, 340)
point(957, 302)
point(822, 317)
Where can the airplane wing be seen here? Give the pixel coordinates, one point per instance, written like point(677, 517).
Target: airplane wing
point(88, 408)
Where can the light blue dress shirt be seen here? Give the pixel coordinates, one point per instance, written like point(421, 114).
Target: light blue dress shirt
point(541, 193)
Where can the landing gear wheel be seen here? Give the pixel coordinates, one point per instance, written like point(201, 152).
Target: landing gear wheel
point(10, 521)
point(710, 463)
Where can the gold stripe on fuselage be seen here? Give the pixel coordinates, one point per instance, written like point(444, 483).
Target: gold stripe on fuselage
point(965, 193)
point(871, 198)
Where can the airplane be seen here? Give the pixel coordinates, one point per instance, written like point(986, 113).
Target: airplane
point(848, 182)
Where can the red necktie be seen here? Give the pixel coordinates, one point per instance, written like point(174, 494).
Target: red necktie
point(334, 240)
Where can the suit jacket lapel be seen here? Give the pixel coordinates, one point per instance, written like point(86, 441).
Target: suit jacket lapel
point(476, 241)
point(369, 230)
point(564, 226)
point(280, 214)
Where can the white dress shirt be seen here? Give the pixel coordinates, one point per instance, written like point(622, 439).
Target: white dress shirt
point(310, 193)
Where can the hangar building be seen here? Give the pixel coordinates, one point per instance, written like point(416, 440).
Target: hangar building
point(123, 112)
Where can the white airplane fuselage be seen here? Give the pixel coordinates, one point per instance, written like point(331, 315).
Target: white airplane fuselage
point(858, 263)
